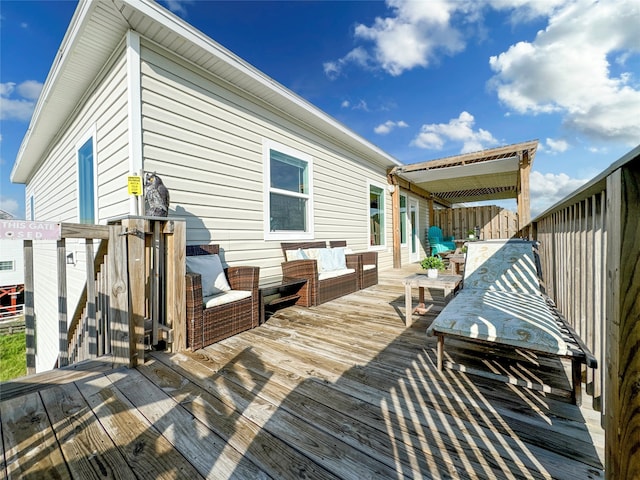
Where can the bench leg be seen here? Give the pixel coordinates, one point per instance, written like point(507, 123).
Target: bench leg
point(576, 380)
point(440, 352)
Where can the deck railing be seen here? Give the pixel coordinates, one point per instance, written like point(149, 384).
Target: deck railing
point(133, 296)
point(590, 251)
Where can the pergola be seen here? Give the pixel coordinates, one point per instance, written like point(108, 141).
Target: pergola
point(494, 174)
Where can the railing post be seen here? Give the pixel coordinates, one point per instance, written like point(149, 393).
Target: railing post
point(63, 344)
point(175, 283)
point(29, 314)
point(91, 300)
point(118, 290)
point(623, 335)
point(135, 228)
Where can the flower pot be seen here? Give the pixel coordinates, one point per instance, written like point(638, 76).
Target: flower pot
point(471, 236)
point(432, 272)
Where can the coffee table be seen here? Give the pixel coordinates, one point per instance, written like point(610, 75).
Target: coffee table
point(448, 283)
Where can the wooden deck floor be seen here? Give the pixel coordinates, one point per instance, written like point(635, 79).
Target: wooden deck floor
point(343, 390)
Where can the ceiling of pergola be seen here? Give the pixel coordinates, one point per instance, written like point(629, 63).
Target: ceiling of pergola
point(486, 175)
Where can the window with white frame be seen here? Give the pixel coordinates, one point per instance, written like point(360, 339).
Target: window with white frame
point(7, 266)
point(403, 219)
point(288, 192)
point(376, 215)
point(86, 161)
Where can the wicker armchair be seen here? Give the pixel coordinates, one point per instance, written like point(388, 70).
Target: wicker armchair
point(209, 325)
point(318, 291)
point(368, 273)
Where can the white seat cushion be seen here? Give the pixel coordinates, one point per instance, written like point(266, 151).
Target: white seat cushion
point(334, 273)
point(515, 319)
point(368, 267)
point(225, 297)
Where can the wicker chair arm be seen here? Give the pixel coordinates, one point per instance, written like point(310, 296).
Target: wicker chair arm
point(307, 269)
point(243, 277)
point(353, 261)
point(369, 258)
point(193, 295)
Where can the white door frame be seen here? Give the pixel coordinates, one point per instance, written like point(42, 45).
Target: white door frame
point(413, 224)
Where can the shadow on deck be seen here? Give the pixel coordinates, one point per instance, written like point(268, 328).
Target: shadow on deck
point(342, 390)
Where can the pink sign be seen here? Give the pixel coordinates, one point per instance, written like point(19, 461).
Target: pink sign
point(27, 230)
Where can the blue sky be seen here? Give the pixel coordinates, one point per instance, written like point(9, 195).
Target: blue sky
point(422, 80)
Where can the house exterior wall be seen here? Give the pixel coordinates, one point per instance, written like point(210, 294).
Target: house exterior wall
point(54, 190)
point(11, 251)
point(205, 139)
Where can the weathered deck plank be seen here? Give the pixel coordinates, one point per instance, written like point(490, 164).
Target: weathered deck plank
point(344, 390)
point(82, 439)
point(30, 443)
point(146, 451)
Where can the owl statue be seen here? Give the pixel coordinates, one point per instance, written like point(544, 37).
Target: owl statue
point(156, 196)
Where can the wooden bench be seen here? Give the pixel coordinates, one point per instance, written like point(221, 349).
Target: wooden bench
point(501, 302)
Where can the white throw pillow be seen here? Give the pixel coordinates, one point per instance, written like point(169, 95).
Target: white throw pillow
point(296, 255)
point(326, 261)
point(210, 268)
point(340, 261)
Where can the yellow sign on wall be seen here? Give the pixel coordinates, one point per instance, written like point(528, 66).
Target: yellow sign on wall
point(134, 185)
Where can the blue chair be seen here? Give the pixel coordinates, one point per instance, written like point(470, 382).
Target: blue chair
point(438, 243)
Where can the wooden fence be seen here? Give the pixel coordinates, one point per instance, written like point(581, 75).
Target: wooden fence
point(492, 222)
point(133, 295)
point(590, 251)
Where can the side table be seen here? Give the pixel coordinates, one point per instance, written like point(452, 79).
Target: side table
point(278, 295)
point(448, 283)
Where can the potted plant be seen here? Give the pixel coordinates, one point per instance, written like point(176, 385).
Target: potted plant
point(432, 265)
point(471, 234)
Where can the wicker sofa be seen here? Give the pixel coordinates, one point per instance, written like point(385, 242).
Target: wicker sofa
point(321, 286)
point(368, 273)
point(211, 318)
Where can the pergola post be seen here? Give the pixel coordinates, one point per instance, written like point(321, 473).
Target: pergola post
point(524, 196)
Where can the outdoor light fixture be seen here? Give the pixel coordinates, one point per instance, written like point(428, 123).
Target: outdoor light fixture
point(71, 259)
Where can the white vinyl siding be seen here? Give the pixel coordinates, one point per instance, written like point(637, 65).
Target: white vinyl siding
point(104, 106)
point(204, 137)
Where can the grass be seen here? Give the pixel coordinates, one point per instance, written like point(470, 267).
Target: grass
point(13, 356)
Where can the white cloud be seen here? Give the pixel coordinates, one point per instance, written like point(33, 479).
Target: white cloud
point(548, 188)
point(358, 56)
point(556, 146)
point(388, 126)
point(413, 36)
point(433, 136)
point(30, 89)
point(17, 101)
point(361, 105)
point(566, 69)
point(9, 205)
point(526, 10)
point(179, 7)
